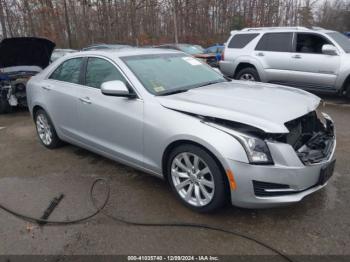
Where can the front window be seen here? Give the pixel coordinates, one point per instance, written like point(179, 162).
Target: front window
point(341, 40)
point(99, 70)
point(310, 43)
point(164, 74)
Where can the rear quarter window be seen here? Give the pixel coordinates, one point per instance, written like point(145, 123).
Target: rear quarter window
point(241, 40)
point(68, 71)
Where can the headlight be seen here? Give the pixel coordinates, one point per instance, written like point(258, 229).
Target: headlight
point(257, 150)
point(320, 115)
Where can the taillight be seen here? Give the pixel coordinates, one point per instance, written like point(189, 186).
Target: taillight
point(223, 54)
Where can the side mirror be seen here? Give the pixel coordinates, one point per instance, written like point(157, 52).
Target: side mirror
point(116, 88)
point(329, 50)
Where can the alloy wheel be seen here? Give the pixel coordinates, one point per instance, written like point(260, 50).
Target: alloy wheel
point(44, 129)
point(192, 179)
point(247, 77)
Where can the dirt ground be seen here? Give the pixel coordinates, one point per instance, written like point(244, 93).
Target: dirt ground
point(30, 176)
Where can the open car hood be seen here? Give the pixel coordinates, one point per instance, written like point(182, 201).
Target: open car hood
point(264, 106)
point(25, 51)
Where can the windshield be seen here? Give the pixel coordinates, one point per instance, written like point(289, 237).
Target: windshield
point(341, 40)
point(164, 74)
point(191, 49)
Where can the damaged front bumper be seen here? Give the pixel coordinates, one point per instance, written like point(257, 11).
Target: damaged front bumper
point(303, 164)
point(13, 87)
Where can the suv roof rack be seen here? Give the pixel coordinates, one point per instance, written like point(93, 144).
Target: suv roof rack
point(275, 28)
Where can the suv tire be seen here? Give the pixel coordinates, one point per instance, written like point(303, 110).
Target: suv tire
point(248, 74)
point(202, 191)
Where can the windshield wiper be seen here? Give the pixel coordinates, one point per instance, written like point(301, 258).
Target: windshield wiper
point(172, 92)
point(182, 90)
point(210, 83)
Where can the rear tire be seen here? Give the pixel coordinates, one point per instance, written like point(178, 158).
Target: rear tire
point(46, 130)
point(199, 184)
point(248, 74)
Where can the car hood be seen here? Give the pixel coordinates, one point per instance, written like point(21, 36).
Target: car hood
point(264, 106)
point(25, 51)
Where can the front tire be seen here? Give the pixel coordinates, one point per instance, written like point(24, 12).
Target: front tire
point(196, 178)
point(46, 131)
point(248, 74)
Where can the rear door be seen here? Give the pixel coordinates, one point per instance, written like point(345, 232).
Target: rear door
point(274, 52)
point(62, 90)
point(313, 69)
point(113, 125)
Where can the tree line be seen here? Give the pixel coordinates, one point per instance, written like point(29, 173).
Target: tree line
point(78, 23)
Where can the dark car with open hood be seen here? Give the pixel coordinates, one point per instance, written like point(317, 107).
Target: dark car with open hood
point(20, 59)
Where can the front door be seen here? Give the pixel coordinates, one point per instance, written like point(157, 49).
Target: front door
point(312, 68)
point(113, 125)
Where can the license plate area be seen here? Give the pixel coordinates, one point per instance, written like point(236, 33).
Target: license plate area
point(326, 173)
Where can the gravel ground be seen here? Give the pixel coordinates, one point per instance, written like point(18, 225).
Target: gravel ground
point(30, 176)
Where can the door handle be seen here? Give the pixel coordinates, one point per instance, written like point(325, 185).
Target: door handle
point(85, 100)
point(260, 54)
point(297, 56)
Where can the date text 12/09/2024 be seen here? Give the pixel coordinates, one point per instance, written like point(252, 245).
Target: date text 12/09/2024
point(173, 258)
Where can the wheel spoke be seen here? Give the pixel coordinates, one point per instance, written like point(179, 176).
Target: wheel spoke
point(179, 174)
point(183, 184)
point(180, 165)
point(189, 193)
point(207, 183)
point(187, 161)
point(204, 192)
point(195, 162)
point(204, 171)
point(197, 194)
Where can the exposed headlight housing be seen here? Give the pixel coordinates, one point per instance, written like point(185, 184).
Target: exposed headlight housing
point(320, 115)
point(257, 150)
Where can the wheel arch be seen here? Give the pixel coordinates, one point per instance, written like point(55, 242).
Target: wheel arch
point(179, 142)
point(240, 64)
point(35, 109)
point(40, 107)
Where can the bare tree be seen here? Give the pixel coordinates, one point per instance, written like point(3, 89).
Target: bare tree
point(77, 23)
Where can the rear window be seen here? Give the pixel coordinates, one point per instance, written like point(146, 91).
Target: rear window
point(241, 40)
point(276, 42)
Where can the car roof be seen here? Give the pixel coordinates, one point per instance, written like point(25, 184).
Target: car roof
point(132, 51)
point(64, 50)
point(282, 29)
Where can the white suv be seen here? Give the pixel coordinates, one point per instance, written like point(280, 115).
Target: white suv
point(311, 59)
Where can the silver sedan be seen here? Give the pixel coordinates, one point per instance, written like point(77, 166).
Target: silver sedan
point(168, 114)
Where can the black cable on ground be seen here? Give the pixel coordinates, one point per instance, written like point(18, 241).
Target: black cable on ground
point(136, 223)
point(65, 222)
